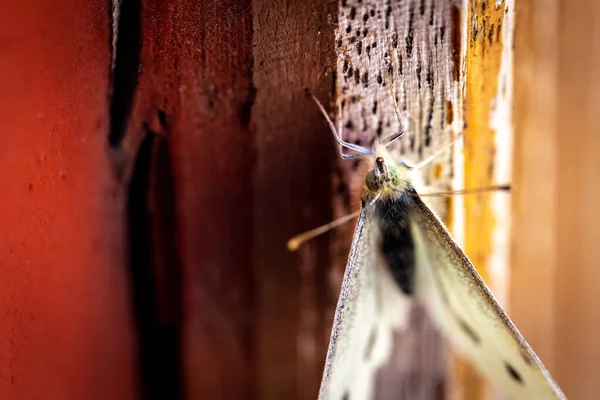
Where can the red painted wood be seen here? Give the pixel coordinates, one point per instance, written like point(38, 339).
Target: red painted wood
point(195, 92)
point(249, 315)
point(65, 330)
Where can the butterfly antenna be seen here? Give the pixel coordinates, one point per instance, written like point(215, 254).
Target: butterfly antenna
point(495, 188)
point(337, 133)
point(294, 243)
point(392, 138)
point(437, 153)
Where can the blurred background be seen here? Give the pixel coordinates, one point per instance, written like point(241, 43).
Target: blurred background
point(156, 157)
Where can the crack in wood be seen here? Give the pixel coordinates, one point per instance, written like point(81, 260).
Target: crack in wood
point(126, 62)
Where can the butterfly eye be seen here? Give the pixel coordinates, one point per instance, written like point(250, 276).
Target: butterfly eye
point(394, 176)
point(372, 182)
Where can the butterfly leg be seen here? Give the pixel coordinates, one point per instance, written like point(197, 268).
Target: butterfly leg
point(337, 133)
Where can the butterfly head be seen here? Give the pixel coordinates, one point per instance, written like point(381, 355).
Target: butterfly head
point(383, 176)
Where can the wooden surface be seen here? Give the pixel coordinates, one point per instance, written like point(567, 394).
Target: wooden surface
point(293, 47)
point(65, 320)
point(534, 263)
point(556, 274)
point(194, 96)
point(486, 154)
point(578, 197)
point(411, 47)
point(149, 188)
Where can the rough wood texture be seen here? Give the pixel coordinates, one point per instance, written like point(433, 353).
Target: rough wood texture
point(293, 48)
point(557, 240)
point(65, 321)
point(487, 47)
point(215, 157)
point(193, 102)
point(413, 46)
point(450, 66)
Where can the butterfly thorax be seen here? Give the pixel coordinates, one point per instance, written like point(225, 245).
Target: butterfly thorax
point(388, 198)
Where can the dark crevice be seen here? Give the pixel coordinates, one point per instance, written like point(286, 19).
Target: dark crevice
point(154, 271)
point(429, 124)
point(410, 36)
point(126, 67)
point(162, 119)
point(245, 110)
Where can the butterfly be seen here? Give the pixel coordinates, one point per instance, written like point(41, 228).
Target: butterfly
point(401, 252)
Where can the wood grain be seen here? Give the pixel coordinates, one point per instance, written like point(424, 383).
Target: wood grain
point(413, 47)
point(206, 151)
point(534, 263)
point(293, 50)
point(487, 153)
point(555, 243)
point(578, 197)
point(194, 98)
point(65, 319)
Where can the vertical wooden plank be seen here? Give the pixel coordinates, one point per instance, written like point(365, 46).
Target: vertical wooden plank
point(578, 196)
point(415, 48)
point(65, 325)
point(214, 153)
point(487, 152)
point(556, 242)
point(193, 102)
point(534, 267)
point(293, 50)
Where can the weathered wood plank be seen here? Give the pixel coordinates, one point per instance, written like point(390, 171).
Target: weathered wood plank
point(192, 102)
point(557, 276)
point(413, 46)
point(556, 156)
point(534, 260)
point(293, 50)
point(487, 152)
point(65, 319)
point(577, 348)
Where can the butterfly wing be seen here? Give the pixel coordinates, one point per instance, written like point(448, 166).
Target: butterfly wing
point(466, 311)
point(369, 308)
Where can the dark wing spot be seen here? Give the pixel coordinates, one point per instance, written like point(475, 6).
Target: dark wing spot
point(468, 330)
point(370, 344)
point(513, 373)
point(525, 357)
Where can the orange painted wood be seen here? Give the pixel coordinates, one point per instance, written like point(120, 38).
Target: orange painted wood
point(483, 58)
point(578, 198)
point(556, 275)
point(534, 264)
point(65, 330)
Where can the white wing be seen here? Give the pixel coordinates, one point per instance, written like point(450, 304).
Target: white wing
point(370, 306)
point(466, 311)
